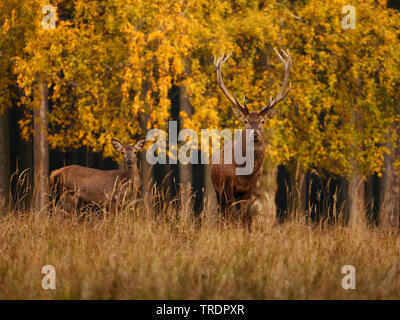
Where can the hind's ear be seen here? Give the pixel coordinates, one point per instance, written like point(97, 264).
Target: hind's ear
point(139, 144)
point(116, 144)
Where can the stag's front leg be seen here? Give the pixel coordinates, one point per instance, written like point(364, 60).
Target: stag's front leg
point(246, 212)
point(229, 202)
point(222, 205)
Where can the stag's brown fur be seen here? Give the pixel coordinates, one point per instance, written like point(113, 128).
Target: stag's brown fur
point(233, 189)
point(230, 187)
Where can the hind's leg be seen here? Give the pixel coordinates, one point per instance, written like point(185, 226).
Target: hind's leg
point(247, 213)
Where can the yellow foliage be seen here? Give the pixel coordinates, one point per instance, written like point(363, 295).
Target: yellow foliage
point(112, 67)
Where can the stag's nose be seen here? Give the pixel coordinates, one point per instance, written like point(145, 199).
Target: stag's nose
point(129, 162)
point(255, 134)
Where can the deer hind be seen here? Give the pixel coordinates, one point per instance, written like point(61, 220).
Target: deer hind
point(77, 184)
point(237, 190)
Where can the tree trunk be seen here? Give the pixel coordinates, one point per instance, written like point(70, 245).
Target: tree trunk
point(356, 195)
point(41, 147)
point(185, 170)
point(210, 198)
point(341, 206)
point(390, 190)
point(297, 192)
point(356, 198)
point(146, 172)
point(4, 162)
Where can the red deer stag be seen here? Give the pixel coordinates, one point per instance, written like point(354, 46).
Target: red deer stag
point(232, 189)
point(77, 184)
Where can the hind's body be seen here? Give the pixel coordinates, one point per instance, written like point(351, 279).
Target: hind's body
point(87, 185)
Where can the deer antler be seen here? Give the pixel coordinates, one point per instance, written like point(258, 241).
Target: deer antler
point(282, 94)
point(218, 65)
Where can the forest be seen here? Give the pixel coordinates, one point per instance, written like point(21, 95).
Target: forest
point(118, 68)
point(76, 74)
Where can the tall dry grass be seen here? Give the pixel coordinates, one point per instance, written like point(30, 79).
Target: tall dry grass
point(135, 254)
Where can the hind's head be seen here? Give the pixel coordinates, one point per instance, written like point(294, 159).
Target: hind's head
point(129, 152)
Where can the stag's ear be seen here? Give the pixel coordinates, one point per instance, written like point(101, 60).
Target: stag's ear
point(268, 113)
point(238, 113)
point(139, 144)
point(116, 144)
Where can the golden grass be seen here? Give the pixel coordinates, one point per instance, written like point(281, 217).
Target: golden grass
point(135, 255)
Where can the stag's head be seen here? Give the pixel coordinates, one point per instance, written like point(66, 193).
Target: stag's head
point(129, 152)
point(255, 120)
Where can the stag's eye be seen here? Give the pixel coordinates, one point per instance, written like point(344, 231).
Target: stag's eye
point(123, 153)
point(262, 121)
point(246, 122)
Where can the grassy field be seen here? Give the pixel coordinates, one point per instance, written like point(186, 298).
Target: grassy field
point(134, 255)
